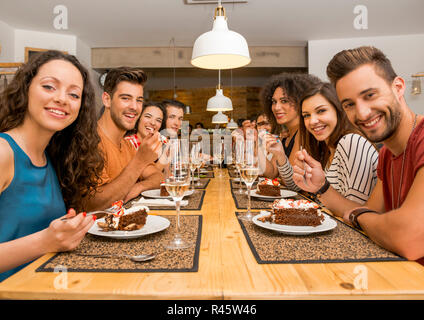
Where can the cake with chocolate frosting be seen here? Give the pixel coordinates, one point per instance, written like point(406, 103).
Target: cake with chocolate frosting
point(268, 187)
point(295, 213)
point(125, 221)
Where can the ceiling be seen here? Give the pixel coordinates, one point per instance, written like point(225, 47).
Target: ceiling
point(102, 23)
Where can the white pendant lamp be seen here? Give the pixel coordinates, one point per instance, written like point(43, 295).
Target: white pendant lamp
point(219, 102)
point(220, 118)
point(232, 124)
point(220, 48)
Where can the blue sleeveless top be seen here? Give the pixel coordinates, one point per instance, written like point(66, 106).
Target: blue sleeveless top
point(31, 201)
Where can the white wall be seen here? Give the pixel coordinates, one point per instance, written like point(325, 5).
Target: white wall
point(7, 42)
point(405, 52)
point(42, 40)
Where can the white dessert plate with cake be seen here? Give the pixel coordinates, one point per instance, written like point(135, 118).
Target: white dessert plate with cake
point(283, 194)
point(296, 217)
point(153, 224)
point(155, 193)
point(327, 224)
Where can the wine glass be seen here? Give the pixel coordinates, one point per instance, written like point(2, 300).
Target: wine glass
point(249, 173)
point(239, 161)
point(177, 183)
point(199, 164)
point(194, 162)
point(218, 154)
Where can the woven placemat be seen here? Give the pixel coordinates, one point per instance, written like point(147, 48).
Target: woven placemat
point(182, 260)
point(207, 174)
point(241, 200)
point(203, 183)
point(195, 202)
point(232, 173)
point(236, 185)
point(342, 244)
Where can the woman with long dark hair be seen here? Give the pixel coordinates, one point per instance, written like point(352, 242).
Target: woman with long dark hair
point(49, 159)
point(348, 160)
point(280, 98)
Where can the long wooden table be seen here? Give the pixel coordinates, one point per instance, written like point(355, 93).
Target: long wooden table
point(227, 270)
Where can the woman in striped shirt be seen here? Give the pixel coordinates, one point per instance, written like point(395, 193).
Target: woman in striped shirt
point(348, 160)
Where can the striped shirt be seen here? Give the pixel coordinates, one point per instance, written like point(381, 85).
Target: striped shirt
point(353, 171)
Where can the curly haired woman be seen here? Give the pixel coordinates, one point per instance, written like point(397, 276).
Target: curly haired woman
point(49, 159)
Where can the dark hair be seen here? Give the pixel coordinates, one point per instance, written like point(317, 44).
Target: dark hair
point(240, 122)
point(117, 75)
point(73, 151)
point(174, 103)
point(145, 106)
point(293, 84)
point(201, 125)
point(348, 60)
point(319, 150)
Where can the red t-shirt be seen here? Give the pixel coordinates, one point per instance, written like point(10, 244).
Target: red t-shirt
point(414, 160)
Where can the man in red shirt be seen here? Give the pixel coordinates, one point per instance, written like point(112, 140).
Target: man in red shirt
point(372, 96)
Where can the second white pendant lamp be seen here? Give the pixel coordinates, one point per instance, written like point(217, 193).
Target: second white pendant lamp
point(220, 48)
point(219, 102)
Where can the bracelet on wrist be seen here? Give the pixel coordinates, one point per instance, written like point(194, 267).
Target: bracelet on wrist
point(323, 189)
point(353, 216)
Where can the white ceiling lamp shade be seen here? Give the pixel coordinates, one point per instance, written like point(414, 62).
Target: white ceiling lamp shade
point(220, 48)
point(232, 124)
point(219, 102)
point(220, 118)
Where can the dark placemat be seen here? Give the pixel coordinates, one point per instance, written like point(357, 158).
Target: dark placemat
point(203, 183)
point(195, 202)
point(241, 200)
point(342, 244)
point(208, 174)
point(183, 260)
point(236, 185)
point(232, 173)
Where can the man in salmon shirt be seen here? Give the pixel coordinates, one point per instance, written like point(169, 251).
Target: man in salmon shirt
point(372, 96)
point(127, 171)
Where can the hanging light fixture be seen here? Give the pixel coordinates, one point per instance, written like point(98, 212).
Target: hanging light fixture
point(231, 124)
point(219, 102)
point(220, 48)
point(416, 83)
point(220, 118)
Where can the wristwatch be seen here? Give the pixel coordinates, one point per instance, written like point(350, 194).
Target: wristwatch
point(353, 216)
point(323, 189)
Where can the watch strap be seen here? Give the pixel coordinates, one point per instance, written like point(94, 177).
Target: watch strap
point(355, 213)
point(324, 188)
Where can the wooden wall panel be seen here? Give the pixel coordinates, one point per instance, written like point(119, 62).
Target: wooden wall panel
point(245, 102)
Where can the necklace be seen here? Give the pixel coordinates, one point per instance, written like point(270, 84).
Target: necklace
point(401, 171)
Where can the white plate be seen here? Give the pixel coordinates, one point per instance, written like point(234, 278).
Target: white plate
point(155, 193)
point(153, 224)
point(283, 194)
point(328, 224)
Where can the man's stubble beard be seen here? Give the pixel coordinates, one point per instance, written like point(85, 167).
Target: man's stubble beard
point(118, 122)
point(392, 124)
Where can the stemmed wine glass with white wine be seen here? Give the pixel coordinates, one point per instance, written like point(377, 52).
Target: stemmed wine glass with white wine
point(195, 161)
point(177, 183)
point(239, 161)
point(218, 154)
point(249, 172)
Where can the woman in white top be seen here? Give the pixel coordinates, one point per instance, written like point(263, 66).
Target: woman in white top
point(348, 160)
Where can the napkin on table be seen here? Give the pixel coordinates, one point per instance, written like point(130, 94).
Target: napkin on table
point(157, 202)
